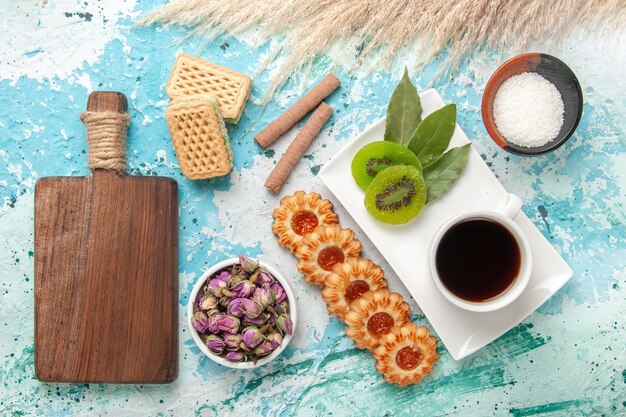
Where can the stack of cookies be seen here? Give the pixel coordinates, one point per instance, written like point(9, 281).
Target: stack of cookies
point(354, 288)
point(204, 96)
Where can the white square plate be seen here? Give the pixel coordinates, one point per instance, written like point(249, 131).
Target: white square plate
point(406, 247)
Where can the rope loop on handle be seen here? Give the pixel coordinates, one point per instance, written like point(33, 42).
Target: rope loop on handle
point(106, 137)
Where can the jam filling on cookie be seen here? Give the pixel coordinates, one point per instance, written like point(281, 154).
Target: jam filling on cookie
point(329, 257)
point(408, 358)
point(355, 290)
point(380, 324)
point(304, 222)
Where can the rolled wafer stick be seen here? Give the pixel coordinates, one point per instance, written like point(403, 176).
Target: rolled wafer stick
point(292, 115)
point(297, 148)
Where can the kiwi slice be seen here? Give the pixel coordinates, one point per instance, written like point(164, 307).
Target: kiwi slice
point(376, 156)
point(396, 195)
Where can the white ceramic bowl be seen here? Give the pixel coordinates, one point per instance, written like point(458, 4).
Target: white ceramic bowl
point(247, 364)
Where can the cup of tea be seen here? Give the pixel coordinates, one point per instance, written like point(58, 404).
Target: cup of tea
point(481, 261)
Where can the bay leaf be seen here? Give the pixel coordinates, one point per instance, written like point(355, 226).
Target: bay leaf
point(404, 112)
point(441, 174)
point(433, 134)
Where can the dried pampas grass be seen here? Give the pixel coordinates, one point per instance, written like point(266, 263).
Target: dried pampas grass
point(381, 29)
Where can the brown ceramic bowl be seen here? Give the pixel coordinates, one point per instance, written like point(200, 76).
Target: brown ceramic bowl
point(555, 71)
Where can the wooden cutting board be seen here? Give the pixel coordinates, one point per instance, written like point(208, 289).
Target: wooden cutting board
point(106, 273)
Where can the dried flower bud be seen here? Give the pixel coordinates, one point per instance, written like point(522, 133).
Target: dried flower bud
point(225, 301)
point(275, 337)
point(252, 336)
point(236, 356)
point(208, 302)
point(244, 307)
point(282, 308)
point(275, 344)
point(212, 326)
point(247, 264)
point(200, 322)
point(271, 316)
point(216, 287)
point(284, 324)
point(265, 348)
point(215, 344)
point(266, 277)
point(235, 307)
point(256, 321)
point(279, 292)
point(223, 276)
point(234, 281)
point(232, 341)
point(228, 323)
point(227, 293)
point(251, 308)
point(200, 295)
point(244, 289)
point(263, 295)
point(255, 278)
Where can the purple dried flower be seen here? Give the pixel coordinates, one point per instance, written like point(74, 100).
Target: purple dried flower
point(216, 287)
point(208, 302)
point(252, 336)
point(228, 323)
point(244, 307)
point(275, 337)
point(235, 307)
point(251, 308)
point(223, 276)
point(236, 356)
point(282, 308)
point(244, 289)
point(256, 321)
point(232, 341)
point(284, 324)
point(271, 316)
point(279, 292)
point(215, 344)
point(265, 348)
point(247, 264)
point(255, 278)
point(200, 295)
point(212, 326)
point(225, 301)
point(200, 322)
point(266, 278)
point(275, 344)
point(234, 281)
point(263, 295)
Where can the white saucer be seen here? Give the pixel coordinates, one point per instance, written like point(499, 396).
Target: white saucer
point(406, 247)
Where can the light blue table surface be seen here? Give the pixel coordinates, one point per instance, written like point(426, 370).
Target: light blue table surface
point(568, 358)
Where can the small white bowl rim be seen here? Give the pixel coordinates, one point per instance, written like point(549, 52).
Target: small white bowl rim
point(293, 313)
point(514, 291)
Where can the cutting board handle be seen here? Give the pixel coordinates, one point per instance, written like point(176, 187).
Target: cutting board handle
point(106, 120)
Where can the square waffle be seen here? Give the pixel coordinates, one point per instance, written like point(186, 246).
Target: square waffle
point(194, 76)
point(200, 138)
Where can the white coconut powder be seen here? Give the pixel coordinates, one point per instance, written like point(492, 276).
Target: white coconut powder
point(528, 110)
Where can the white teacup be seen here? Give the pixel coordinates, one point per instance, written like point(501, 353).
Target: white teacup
point(503, 215)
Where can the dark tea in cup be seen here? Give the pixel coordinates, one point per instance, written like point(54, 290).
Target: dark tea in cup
point(478, 259)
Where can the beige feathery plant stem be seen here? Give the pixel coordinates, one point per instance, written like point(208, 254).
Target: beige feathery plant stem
point(382, 29)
